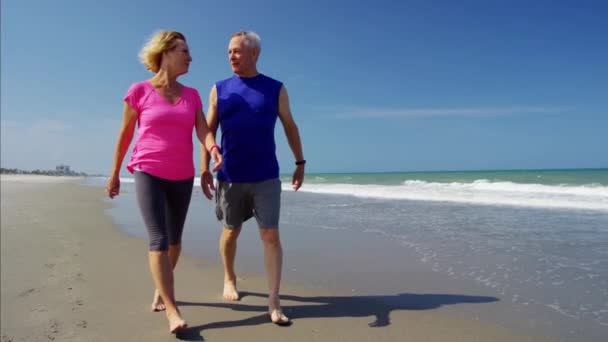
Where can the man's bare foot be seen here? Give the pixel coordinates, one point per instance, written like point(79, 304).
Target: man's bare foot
point(157, 302)
point(278, 317)
point(230, 291)
point(176, 323)
point(275, 312)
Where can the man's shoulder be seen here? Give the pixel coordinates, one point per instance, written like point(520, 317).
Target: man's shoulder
point(235, 78)
point(226, 80)
point(270, 79)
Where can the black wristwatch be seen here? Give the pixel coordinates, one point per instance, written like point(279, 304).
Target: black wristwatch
point(301, 162)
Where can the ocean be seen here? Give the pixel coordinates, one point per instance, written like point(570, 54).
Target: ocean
point(576, 189)
point(536, 240)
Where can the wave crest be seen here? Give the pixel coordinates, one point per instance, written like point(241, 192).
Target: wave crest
point(481, 191)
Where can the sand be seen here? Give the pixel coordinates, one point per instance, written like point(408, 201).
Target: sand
point(68, 273)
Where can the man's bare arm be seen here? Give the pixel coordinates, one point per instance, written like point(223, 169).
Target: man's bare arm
point(289, 125)
point(293, 137)
point(212, 124)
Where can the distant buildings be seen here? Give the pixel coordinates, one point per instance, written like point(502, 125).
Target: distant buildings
point(63, 170)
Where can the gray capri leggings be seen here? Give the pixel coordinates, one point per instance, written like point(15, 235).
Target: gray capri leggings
point(163, 204)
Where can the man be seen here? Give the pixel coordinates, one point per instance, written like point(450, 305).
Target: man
point(246, 107)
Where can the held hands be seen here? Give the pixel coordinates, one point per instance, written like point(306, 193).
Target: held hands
point(216, 156)
point(113, 186)
point(207, 184)
point(206, 177)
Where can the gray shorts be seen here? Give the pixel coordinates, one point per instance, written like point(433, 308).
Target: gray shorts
point(238, 202)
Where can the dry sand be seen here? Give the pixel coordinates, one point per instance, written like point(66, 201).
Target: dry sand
point(69, 274)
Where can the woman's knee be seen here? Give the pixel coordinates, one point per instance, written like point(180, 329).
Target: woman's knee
point(230, 235)
point(159, 244)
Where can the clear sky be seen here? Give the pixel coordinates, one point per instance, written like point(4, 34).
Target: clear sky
point(374, 85)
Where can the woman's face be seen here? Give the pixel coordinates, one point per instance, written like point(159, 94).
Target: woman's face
point(178, 59)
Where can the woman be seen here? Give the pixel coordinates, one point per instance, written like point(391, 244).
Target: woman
point(161, 160)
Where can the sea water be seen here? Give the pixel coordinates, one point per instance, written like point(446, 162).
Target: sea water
point(537, 240)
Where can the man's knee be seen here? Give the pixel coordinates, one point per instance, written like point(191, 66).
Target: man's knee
point(270, 236)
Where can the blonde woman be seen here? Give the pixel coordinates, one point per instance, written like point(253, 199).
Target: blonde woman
point(162, 158)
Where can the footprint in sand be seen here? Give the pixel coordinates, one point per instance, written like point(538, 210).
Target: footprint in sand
point(53, 329)
point(27, 292)
point(39, 308)
point(77, 303)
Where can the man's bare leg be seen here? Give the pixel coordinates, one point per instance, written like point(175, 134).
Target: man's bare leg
point(174, 252)
point(228, 254)
point(273, 261)
point(162, 274)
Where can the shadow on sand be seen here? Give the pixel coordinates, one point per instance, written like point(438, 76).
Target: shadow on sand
point(379, 307)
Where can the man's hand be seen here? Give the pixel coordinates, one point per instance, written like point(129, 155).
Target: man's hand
point(298, 177)
point(207, 184)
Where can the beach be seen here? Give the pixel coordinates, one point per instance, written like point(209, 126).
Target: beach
point(69, 273)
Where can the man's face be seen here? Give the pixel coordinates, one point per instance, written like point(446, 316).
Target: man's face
point(242, 58)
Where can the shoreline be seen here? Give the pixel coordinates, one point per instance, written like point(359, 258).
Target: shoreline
point(13, 177)
point(65, 265)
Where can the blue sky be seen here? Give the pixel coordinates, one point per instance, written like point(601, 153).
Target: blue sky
point(374, 86)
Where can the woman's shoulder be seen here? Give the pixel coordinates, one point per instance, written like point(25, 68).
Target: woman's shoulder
point(139, 89)
point(190, 90)
point(141, 85)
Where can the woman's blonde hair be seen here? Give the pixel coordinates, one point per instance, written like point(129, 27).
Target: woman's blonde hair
point(152, 52)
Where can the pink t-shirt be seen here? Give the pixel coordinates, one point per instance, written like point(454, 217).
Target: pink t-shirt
point(163, 147)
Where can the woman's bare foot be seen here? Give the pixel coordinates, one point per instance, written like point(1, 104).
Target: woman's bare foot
point(157, 302)
point(176, 323)
point(230, 291)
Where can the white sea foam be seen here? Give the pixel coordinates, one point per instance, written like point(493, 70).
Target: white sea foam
point(38, 178)
point(591, 197)
point(482, 191)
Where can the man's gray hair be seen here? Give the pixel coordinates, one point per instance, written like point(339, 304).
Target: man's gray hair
point(252, 39)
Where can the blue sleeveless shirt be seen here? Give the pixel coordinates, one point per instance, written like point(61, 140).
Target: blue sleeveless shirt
point(247, 110)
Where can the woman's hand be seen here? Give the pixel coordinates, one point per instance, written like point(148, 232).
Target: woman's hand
point(207, 184)
point(113, 186)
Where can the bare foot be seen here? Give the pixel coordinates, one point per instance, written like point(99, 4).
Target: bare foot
point(230, 291)
point(278, 317)
point(157, 302)
point(275, 312)
point(176, 323)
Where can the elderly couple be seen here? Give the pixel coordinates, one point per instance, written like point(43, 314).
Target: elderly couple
point(246, 107)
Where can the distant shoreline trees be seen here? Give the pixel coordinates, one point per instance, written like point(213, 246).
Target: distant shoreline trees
point(60, 170)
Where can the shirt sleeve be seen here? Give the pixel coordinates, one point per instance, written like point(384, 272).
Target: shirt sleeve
point(197, 100)
point(134, 95)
